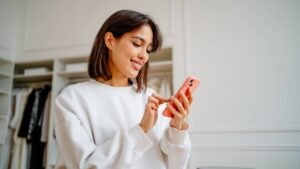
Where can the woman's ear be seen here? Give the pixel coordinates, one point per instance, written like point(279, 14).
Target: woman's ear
point(109, 40)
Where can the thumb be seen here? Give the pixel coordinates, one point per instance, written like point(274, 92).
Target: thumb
point(160, 98)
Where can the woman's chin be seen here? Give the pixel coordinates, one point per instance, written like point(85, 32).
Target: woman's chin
point(133, 75)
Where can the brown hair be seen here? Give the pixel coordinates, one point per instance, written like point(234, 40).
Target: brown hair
point(118, 24)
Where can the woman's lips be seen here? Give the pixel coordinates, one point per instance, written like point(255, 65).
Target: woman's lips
point(136, 65)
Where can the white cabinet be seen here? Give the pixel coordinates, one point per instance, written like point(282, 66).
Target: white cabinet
point(21, 77)
point(6, 71)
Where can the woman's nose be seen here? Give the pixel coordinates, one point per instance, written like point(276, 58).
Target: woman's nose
point(143, 55)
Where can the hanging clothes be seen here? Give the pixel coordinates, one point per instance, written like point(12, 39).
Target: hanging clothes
point(31, 125)
point(45, 127)
point(46, 116)
point(24, 128)
point(18, 159)
point(7, 145)
point(33, 112)
point(35, 132)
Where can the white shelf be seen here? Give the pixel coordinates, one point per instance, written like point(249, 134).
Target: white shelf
point(161, 66)
point(162, 55)
point(20, 67)
point(75, 74)
point(32, 78)
point(6, 68)
point(4, 74)
point(75, 59)
point(161, 63)
point(64, 62)
point(4, 92)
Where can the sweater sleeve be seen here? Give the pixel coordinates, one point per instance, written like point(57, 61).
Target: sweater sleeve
point(78, 150)
point(175, 144)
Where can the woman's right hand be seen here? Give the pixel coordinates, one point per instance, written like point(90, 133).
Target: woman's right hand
point(150, 114)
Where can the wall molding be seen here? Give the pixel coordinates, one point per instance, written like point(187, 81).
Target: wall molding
point(252, 129)
point(246, 148)
point(28, 50)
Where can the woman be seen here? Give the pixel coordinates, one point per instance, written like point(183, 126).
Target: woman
point(112, 122)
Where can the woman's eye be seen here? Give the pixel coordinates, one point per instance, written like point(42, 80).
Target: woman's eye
point(135, 44)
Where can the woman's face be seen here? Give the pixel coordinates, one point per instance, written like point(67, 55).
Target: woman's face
point(129, 53)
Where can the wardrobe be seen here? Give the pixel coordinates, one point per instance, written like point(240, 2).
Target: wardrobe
point(6, 79)
point(57, 73)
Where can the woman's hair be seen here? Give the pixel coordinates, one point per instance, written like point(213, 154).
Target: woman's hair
point(118, 24)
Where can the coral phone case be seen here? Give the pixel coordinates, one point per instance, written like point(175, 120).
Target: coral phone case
point(192, 82)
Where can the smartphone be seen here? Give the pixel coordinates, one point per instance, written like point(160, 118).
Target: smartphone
point(190, 82)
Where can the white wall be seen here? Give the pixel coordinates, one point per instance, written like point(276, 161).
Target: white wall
point(247, 109)
point(8, 28)
point(67, 28)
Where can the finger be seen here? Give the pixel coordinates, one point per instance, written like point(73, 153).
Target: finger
point(178, 105)
point(161, 98)
point(152, 106)
point(154, 100)
point(186, 103)
point(174, 111)
point(189, 95)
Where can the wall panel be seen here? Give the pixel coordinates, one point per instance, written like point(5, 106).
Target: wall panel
point(58, 28)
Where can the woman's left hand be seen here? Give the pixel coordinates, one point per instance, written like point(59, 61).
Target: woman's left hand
point(181, 110)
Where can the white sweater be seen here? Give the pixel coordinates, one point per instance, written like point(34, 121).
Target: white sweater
point(97, 127)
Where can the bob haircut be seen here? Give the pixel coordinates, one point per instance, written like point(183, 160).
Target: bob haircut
point(118, 24)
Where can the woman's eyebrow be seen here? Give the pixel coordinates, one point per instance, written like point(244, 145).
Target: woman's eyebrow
point(140, 38)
